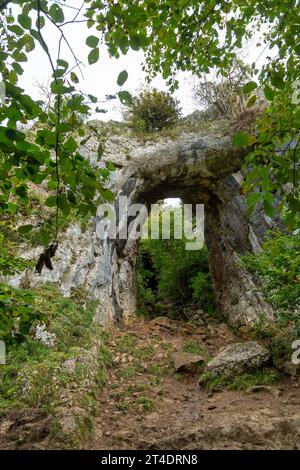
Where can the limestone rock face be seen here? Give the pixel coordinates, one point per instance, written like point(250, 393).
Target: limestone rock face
point(238, 358)
point(199, 169)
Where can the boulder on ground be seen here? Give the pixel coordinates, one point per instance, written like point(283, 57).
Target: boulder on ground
point(238, 358)
point(188, 362)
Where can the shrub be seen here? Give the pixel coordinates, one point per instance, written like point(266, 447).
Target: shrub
point(224, 98)
point(9, 262)
point(152, 110)
point(279, 268)
point(168, 274)
point(17, 313)
point(203, 294)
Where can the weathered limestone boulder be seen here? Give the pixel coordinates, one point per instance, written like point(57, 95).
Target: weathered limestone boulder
point(187, 362)
point(238, 358)
point(199, 169)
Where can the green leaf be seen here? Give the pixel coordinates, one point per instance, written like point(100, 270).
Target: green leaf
point(240, 139)
point(19, 56)
point(13, 77)
point(64, 204)
point(52, 185)
point(58, 73)
point(125, 97)
point(70, 145)
point(21, 190)
point(40, 23)
point(93, 98)
point(75, 103)
point(64, 127)
point(16, 29)
point(268, 201)
point(92, 41)
point(74, 77)
point(93, 56)
point(135, 42)
point(250, 86)
point(71, 197)
point(58, 88)
point(12, 208)
point(107, 195)
point(25, 21)
point(56, 13)
point(269, 93)
point(44, 237)
point(62, 63)
point(51, 201)
point(122, 78)
point(251, 101)
point(24, 229)
point(277, 79)
point(83, 209)
point(254, 198)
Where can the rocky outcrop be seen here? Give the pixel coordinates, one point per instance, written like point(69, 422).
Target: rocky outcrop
point(199, 169)
point(238, 358)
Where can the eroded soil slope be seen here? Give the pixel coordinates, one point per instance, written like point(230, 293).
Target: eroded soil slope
point(147, 405)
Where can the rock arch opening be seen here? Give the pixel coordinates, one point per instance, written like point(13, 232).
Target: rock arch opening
point(228, 235)
point(172, 272)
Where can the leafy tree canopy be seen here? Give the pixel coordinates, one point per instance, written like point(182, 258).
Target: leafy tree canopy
point(175, 35)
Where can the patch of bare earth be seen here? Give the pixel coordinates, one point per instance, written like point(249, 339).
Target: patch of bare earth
point(147, 405)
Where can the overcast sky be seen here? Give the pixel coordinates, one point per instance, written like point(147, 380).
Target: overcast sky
point(100, 79)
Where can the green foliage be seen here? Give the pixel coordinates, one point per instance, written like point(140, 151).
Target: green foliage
point(226, 97)
point(263, 330)
point(202, 37)
point(274, 162)
point(126, 344)
point(128, 372)
point(9, 262)
point(194, 36)
point(138, 387)
point(152, 110)
point(35, 225)
point(75, 326)
point(146, 404)
point(279, 269)
point(144, 354)
point(193, 347)
point(72, 181)
point(17, 313)
point(240, 382)
point(201, 286)
point(170, 274)
point(34, 374)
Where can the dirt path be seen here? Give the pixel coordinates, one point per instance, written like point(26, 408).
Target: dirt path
point(146, 405)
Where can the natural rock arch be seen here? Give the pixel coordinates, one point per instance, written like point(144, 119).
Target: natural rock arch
point(203, 169)
point(197, 169)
